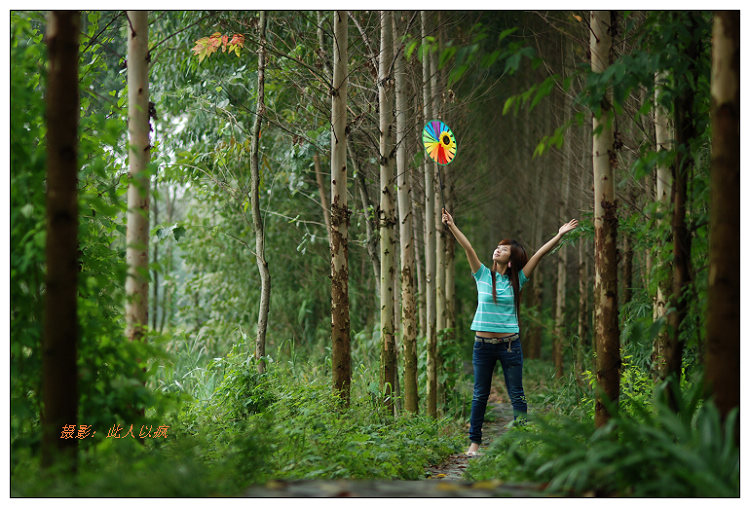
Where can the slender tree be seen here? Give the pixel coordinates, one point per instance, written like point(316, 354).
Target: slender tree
point(60, 339)
point(605, 230)
point(258, 228)
point(663, 137)
point(340, 342)
point(439, 228)
point(136, 283)
point(429, 235)
point(387, 221)
point(723, 317)
point(405, 219)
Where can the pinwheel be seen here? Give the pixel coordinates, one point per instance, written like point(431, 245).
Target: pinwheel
point(440, 145)
point(439, 142)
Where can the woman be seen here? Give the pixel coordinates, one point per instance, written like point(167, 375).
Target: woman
point(496, 320)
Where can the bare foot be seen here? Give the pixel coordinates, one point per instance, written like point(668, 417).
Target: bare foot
point(473, 449)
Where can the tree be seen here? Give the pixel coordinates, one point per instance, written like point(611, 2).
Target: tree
point(723, 315)
point(136, 283)
point(387, 220)
point(258, 228)
point(341, 351)
point(605, 230)
point(60, 338)
point(664, 140)
point(685, 117)
point(429, 235)
point(405, 220)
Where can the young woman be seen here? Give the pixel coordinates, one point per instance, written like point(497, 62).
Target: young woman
point(496, 320)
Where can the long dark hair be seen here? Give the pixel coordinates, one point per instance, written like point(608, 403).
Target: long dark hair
point(518, 260)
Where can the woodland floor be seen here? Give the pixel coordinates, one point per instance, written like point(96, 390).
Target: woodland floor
point(441, 480)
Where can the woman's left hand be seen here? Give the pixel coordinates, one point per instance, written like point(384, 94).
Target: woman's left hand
point(570, 226)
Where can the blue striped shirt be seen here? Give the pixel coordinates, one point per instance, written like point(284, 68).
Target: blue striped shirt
point(491, 316)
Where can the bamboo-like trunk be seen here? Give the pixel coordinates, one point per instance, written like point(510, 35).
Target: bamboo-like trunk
point(406, 236)
point(387, 221)
point(723, 316)
point(562, 263)
point(340, 342)
point(60, 338)
point(605, 230)
point(664, 138)
point(258, 229)
point(440, 230)
point(562, 255)
point(429, 237)
point(137, 235)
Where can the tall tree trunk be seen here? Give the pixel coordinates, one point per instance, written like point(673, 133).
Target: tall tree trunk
point(605, 231)
point(387, 220)
point(723, 316)
point(429, 237)
point(258, 228)
point(562, 255)
point(340, 344)
point(663, 137)
point(685, 132)
point(440, 229)
point(60, 339)
point(406, 236)
point(562, 263)
point(136, 283)
point(418, 231)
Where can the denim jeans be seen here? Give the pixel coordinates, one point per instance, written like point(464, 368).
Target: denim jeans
point(484, 358)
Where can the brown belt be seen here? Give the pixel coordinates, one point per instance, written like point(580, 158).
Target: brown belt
point(496, 340)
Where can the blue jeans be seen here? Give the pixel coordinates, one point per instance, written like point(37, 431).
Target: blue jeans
point(484, 358)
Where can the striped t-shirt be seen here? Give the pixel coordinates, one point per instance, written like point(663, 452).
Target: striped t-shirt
point(491, 316)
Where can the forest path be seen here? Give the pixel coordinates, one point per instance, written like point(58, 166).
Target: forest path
point(498, 417)
point(442, 480)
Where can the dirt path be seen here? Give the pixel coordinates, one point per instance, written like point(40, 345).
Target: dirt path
point(498, 417)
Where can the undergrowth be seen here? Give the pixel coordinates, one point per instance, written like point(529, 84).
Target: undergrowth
point(284, 424)
point(646, 450)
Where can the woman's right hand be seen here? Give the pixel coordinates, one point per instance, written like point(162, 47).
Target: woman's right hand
point(447, 219)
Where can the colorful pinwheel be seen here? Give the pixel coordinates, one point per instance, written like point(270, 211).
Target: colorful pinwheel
point(439, 141)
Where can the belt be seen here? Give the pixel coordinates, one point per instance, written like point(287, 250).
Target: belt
point(496, 340)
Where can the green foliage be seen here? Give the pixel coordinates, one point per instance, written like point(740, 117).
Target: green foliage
point(27, 225)
point(652, 453)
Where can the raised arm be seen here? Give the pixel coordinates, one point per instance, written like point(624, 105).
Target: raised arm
point(474, 262)
point(538, 255)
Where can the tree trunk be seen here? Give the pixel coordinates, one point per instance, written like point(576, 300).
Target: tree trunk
point(605, 231)
point(663, 137)
point(258, 229)
point(723, 316)
point(562, 263)
point(136, 283)
point(440, 230)
point(340, 344)
point(685, 132)
point(60, 339)
point(387, 220)
point(429, 240)
point(406, 236)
